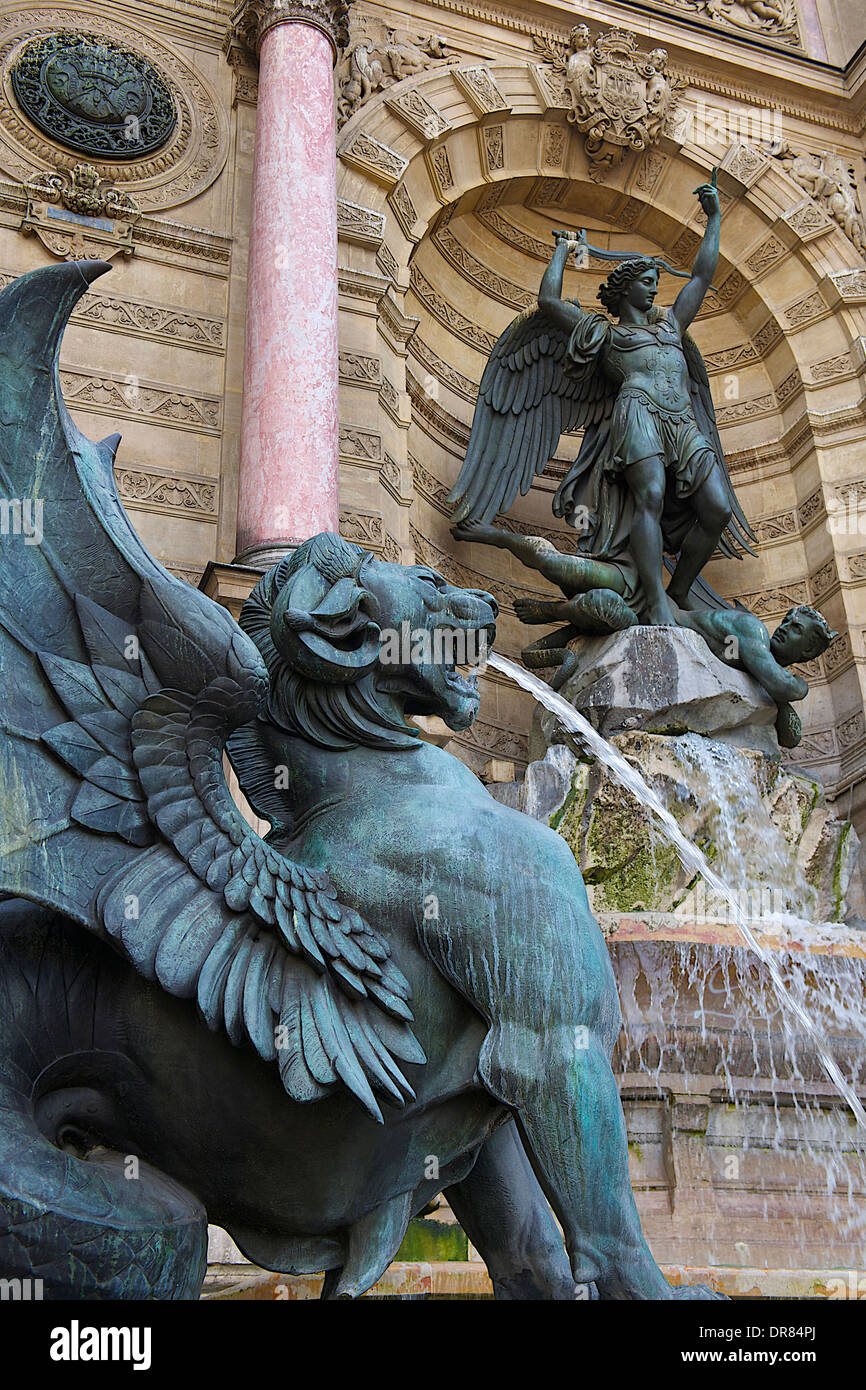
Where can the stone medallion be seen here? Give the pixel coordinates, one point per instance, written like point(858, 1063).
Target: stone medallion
point(94, 95)
point(145, 116)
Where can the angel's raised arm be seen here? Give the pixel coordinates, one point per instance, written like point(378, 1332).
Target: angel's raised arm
point(691, 297)
point(564, 313)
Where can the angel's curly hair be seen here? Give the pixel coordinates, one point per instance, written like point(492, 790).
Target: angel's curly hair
point(619, 282)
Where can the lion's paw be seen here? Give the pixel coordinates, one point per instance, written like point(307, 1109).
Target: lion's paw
point(700, 1291)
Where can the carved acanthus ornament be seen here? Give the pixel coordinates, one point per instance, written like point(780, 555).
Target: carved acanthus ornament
point(252, 19)
point(379, 58)
point(620, 99)
point(830, 183)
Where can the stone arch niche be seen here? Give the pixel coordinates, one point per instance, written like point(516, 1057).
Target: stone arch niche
point(451, 184)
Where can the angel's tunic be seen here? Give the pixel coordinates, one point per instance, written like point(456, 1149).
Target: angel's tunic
point(648, 424)
point(661, 423)
point(642, 425)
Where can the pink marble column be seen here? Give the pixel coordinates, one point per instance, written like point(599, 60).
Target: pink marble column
point(288, 487)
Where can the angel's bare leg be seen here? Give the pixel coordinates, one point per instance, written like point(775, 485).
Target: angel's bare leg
point(712, 514)
point(572, 574)
point(646, 482)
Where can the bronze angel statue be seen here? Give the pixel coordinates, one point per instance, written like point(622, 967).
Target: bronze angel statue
point(650, 479)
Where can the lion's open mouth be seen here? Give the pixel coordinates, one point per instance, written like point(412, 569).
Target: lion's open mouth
point(461, 676)
point(449, 681)
point(462, 679)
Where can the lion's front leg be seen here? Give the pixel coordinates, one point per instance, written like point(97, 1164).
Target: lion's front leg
point(519, 940)
point(559, 1080)
point(502, 1209)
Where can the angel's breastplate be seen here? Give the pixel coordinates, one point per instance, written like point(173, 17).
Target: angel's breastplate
point(650, 360)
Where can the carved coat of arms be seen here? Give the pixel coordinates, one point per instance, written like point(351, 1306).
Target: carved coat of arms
point(620, 98)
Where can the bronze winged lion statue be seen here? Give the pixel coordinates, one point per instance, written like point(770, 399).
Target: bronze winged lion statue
point(277, 1034)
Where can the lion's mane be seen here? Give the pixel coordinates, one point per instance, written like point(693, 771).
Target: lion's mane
point(331, 714)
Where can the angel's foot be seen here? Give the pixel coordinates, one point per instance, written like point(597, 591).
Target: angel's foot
point(661, 614)
point(477, 531)
point(537, 610)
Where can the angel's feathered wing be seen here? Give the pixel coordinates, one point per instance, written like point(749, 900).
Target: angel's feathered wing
point(738, 535)
point(530, 394)
point(120, 687)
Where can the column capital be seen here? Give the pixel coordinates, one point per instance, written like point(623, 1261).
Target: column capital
point(252, 19)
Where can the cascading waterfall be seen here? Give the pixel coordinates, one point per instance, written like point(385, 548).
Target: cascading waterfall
point(751, 853)
point(792, 1006)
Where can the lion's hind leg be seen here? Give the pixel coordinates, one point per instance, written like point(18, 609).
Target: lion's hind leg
point(502, 1209)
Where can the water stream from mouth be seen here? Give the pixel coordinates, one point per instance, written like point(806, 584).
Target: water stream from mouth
point(692, 859)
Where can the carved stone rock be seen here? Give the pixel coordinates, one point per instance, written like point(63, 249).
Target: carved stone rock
point(663, 681)
point(797, 859)
point(83, 191)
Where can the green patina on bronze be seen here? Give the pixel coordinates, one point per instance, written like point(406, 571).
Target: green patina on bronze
point(93, 95)
point(400, 991)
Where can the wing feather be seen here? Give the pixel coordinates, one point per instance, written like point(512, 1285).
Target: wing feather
point(516, 427)
point(121, 687)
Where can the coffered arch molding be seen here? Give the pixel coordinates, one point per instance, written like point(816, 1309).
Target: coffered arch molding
point(425, 144)
point(430, 147)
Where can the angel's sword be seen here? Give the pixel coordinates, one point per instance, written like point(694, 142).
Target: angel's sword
point(583, 247)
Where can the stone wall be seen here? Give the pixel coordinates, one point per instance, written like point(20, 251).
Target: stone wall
point(155, 349)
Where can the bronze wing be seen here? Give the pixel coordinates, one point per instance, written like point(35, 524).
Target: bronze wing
point(738, 535)
point(530, 394)
point(120, 688)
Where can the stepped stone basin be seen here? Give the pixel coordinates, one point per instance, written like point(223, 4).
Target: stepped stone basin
point(743, 1155)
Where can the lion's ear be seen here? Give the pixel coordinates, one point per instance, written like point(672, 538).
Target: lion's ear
point(322, 628)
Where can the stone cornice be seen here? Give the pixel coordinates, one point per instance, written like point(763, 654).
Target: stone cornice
point(251, 20)
point(644, 17)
